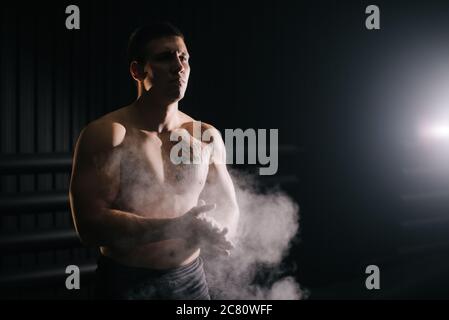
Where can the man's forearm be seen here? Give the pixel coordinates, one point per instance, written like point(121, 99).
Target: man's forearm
point(123, 229)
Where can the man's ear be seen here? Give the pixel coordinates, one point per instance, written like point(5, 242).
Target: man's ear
point(137, 71)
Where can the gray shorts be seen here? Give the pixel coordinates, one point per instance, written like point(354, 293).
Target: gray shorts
point(117, 281)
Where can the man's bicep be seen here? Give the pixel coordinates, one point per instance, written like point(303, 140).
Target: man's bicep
point(87, 187)
point(95, 177)
point(219, 185)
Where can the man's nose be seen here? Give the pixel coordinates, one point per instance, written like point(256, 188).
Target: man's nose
point(177, 66)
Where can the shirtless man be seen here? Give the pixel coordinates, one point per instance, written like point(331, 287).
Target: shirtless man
point(145, 212)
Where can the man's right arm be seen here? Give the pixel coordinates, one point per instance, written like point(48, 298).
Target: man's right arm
point(94, 186)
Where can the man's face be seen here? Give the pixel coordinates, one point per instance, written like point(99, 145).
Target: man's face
point(167, 69)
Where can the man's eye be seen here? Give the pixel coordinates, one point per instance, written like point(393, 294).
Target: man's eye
point(166, 57)
point(163, 56)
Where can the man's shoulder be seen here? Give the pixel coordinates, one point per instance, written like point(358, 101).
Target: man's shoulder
point(187, 122)
point(195, 126)
point(105, 132)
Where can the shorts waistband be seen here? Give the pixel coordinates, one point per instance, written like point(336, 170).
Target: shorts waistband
point(109, 263)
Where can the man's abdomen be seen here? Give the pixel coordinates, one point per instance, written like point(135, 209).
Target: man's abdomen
point(165, 254)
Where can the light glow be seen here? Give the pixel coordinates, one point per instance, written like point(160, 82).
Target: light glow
point(436, 132)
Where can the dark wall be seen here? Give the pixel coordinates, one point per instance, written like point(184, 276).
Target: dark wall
point(307, 68)
point(54, 81)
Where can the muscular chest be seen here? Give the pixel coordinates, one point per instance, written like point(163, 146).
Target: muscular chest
point(157, 163)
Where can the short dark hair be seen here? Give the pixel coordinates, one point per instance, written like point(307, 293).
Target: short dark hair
point(140, 38)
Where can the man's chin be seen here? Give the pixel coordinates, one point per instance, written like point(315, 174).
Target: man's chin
point(176, 96)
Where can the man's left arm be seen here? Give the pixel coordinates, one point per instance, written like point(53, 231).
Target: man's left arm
point(219, 188)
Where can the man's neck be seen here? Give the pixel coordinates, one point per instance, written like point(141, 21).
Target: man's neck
point(156, 115)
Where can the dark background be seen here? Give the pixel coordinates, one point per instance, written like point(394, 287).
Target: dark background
point(341, 96)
